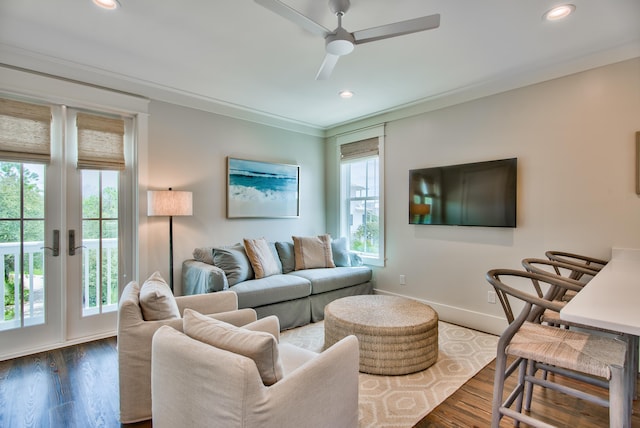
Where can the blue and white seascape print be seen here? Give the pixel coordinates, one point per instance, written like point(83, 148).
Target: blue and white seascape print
point(262, 189)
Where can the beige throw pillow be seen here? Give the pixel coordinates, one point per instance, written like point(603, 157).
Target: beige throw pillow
point(156, 299)
point(313, 252)
point(260, 346)
point(261, 257)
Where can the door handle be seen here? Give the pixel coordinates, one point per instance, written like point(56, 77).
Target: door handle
point(55, 249)
point(72, 243)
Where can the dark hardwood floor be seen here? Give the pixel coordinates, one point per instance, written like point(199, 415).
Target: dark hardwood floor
point(470, 406)
point(77, 386)
point(69, 387)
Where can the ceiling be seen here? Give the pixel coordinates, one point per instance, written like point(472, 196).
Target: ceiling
point(238, 58)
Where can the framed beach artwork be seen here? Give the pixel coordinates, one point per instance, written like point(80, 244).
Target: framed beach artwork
point(262, 189)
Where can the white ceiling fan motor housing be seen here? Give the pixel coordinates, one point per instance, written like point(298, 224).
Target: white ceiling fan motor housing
point(340, 43)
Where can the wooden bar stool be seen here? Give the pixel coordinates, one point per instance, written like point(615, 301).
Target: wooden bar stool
point(586, 357)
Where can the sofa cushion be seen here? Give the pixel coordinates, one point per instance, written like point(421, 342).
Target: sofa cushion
point(234, 262)
point(261, 257)
point(313, 252)
point(260, 346)
point(156, 299)
point(272, 289)
point(340, 252)
point(285, 254)
point(323, 280)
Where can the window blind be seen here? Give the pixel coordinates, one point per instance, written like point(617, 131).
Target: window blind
point(25, 132)
point(100, 142)
point(359, 149)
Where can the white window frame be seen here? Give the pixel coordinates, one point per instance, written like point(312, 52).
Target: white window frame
point(363, 134)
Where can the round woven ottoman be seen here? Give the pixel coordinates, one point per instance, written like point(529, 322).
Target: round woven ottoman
point(397, 335)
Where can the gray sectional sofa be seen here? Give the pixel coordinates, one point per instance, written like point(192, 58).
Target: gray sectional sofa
point(296, 297)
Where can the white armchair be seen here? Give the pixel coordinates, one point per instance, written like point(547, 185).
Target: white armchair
point(134, 342)
point(195, 384)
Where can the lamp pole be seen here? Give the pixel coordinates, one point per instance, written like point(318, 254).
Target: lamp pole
point(171, 251)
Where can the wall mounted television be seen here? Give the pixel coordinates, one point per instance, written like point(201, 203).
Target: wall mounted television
point(473, 194)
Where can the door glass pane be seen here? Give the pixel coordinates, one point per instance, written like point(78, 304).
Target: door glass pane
point(110, 265)
point(100, 241)
point(21, 245)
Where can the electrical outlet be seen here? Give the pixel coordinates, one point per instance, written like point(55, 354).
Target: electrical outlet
point(491, 297)
point(403, 280)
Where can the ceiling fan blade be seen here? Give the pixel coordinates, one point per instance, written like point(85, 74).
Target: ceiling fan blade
point(397, 29)
point(327, 66)
point(294, 16)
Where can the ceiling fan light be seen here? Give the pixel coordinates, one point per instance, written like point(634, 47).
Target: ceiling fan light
point(339, 47)
point(107, 4)
point(559, 12)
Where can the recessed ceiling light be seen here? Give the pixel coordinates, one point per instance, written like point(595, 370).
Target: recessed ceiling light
point(559, 12)
point(345, 94)
point(107, 4)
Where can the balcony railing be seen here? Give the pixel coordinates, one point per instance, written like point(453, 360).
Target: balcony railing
point(35, 285)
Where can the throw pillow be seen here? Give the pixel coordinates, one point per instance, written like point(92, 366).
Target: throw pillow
point(262, 260)
point(313, 252)
point(156, 299)
point(285, 254)
point(204, 255)
point(260, 346)
point(234, 262)
point(340, 252)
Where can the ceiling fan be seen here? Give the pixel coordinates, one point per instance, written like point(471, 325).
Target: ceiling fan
point(340, 42)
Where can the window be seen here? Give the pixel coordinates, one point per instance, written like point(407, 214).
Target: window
point(361, 193)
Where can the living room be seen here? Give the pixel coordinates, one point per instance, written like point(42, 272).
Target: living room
point(574, 135)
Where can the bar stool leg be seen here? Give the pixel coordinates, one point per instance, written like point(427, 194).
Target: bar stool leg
point(619, 397)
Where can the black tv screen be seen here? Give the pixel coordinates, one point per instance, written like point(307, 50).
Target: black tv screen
point(473, 194)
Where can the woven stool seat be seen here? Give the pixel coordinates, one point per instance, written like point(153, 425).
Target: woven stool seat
point(396, 335)
point(574, 350)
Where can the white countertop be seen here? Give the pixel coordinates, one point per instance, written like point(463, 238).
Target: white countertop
point(611, 300)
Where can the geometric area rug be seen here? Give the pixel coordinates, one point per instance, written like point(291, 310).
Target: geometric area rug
point(402, 401)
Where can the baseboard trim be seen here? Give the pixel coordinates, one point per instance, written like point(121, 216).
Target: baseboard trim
point(460, 316)
point(57, 345)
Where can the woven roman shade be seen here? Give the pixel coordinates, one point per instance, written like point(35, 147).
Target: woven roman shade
point(359, 149)
point(25, 132)
point(100, 142)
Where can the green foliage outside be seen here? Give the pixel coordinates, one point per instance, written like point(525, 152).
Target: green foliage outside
point(366, 238)
point(91, 230)
point(10, 178)
point(33, 224)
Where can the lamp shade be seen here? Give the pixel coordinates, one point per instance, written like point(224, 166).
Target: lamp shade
point(169, 203)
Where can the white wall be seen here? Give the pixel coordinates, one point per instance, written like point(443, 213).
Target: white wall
point(574, 138)
point(187, 150)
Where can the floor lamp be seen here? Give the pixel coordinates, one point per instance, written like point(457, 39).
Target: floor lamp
point(169, 203)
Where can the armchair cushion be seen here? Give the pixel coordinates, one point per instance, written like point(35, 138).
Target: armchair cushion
point(260, 346)
point(156, 299)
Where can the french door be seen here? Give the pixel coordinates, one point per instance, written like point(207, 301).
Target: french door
point(62, 244)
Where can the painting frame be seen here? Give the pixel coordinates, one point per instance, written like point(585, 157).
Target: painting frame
point(259, 189)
